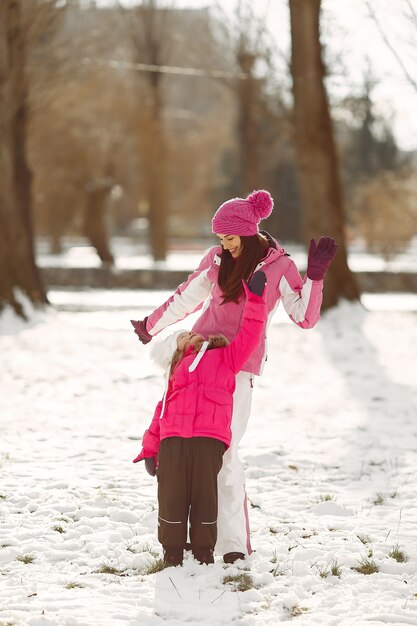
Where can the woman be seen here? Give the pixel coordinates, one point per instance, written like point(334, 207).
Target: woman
point(217, 284)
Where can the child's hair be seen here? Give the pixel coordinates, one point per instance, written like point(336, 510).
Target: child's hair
point(214, 341)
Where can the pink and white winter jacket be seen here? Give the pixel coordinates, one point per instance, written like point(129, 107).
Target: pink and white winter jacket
point(199, 400)
point(301, 299)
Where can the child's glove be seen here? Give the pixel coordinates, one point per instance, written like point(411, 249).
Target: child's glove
point(257, 283)
point(140, 330)
point(320, 256)
point(151, 461)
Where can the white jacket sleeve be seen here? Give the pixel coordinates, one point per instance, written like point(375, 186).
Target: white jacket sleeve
point(301, 298)
point(188, 297)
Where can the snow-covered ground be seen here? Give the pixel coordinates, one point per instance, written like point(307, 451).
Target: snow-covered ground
point(330, 458)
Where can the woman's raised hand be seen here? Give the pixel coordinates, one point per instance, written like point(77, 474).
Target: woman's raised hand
point(320, 256)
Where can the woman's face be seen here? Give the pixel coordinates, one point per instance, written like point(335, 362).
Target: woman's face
point(233, 243)
point(185, 340)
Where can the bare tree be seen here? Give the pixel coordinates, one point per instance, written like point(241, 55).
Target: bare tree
point(375, 205)
point(409, 10)
point(316, 152)
point(81, 119)
point(244, 37)
point(150, 29)
point(18, 270)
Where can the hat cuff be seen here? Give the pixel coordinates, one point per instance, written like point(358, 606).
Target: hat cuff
point(234, 227)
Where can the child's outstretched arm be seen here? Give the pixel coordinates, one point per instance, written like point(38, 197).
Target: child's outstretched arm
point(150, 443)
point(254, 318)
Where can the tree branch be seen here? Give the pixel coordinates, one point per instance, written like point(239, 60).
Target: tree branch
point(389, 44)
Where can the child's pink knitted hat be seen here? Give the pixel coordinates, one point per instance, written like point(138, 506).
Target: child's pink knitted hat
point(241, 216)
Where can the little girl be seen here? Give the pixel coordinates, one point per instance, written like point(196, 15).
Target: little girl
point(190, 430)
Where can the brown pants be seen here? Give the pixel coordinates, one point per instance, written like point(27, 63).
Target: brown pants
point(187, 488)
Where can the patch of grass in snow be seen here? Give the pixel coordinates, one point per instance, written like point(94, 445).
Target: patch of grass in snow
point(275, 571)
point(366, 566)
point(365, 539)
point(332, 569)
point(7, 623)
point(109, 569)
point(74, 586)
point(275, 561)
point(326, 497)
point(367, 543)
point(373, 463)
point(307, 535)
point(156, 566)
point(397, 554)
point(297, 610)
point(379, 498)
point(5, 545)
point(335, 569)
point(273, 531)
point(2, 496)
point(58, 529)
point(26, 558)
point(145, 548)
point(240, 582)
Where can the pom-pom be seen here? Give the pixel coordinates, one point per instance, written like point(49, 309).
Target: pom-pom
point(262, 202)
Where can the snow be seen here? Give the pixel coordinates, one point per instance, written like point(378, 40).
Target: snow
point(330, 457)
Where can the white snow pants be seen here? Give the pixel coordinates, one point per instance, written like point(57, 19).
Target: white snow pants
point(233, 533)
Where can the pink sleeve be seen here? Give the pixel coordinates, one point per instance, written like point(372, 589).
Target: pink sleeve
point(188, 298)
point(301, 298)
point(247, 339)
point(151, 437)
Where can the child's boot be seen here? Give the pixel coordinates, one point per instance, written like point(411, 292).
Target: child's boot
point(232, 557)
point(204, 556)
point(173, 556)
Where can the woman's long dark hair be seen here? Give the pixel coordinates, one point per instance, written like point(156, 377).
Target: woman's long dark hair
point(232, 272)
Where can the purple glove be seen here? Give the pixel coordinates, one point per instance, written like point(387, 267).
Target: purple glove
point(151, 461)
point(257, 283)
point(151, 465)
point(140, 330)
point(320, 256)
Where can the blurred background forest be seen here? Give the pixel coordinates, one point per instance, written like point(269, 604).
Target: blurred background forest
point(137, 120)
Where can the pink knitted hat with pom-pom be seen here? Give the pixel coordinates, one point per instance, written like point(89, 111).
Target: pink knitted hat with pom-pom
point(241, 216)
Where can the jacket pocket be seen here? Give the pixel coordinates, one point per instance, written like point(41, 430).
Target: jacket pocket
point(217, 406)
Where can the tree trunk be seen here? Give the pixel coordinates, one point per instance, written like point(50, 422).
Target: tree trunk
point(95, 221)
point(248, 99)
point(151, 28)
point(316, 152)
point(18, 270)
point(155, 174)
